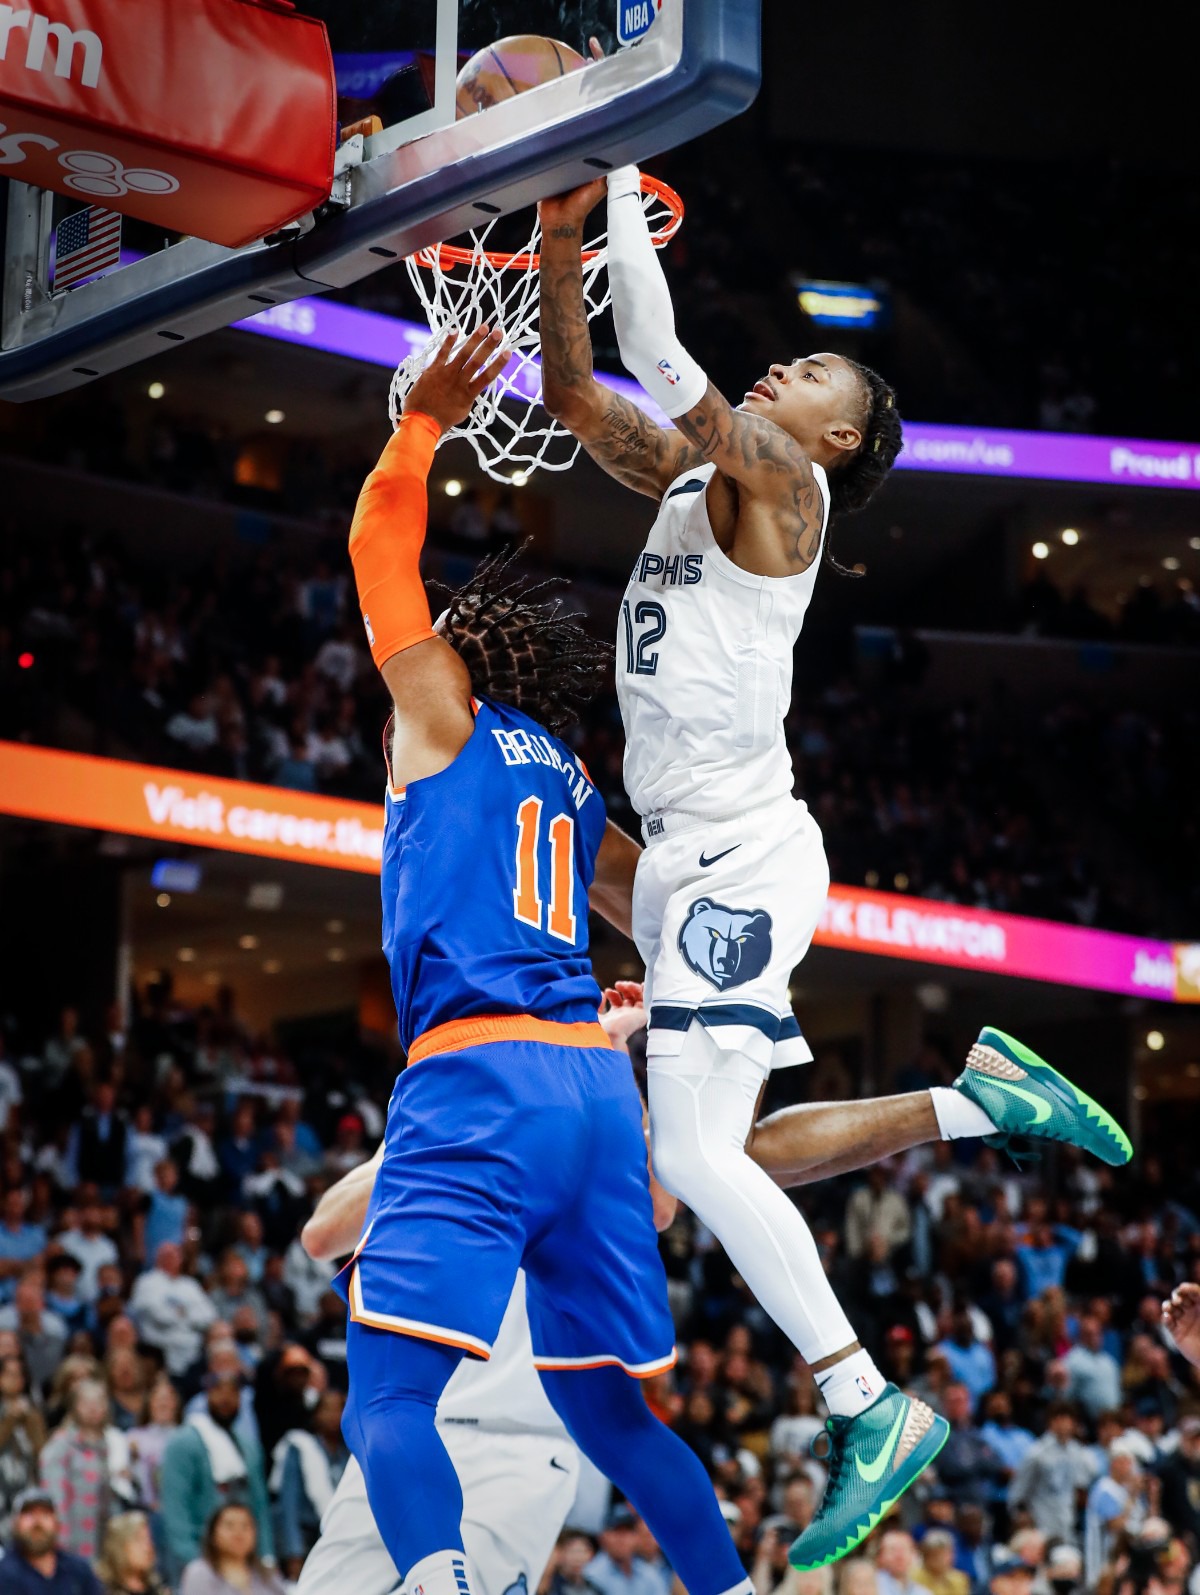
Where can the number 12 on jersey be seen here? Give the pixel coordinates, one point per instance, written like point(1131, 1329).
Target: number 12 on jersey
point(527, 900)
point(641, 656)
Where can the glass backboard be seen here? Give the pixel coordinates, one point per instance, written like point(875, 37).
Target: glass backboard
point(427, 164)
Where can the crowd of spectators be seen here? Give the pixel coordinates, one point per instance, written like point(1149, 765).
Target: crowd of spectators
point(173, 1363)
point(261, 673)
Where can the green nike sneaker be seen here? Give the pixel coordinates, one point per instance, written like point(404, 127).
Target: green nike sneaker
point(872, 1460)
point(1024, 1096)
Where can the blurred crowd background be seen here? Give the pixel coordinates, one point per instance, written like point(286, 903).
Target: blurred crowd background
point(153, 1289)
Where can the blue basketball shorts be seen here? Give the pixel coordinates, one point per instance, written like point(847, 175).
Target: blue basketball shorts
point(511, 1154)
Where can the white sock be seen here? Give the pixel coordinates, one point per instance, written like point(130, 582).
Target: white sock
point(852, 1385)
point(443, 1573)
point(958, 1117)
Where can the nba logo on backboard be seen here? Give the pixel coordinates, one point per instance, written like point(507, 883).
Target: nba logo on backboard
point(668, 371)
point(634, 18)
point(864, 1386)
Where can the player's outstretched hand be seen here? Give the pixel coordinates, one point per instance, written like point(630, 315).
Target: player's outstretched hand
point(625, 994)
point(568, 212)
point(624, 1014)
point(1181, 1314)
point(457, 375)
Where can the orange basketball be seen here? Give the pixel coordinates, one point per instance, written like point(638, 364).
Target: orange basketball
point(510, 66)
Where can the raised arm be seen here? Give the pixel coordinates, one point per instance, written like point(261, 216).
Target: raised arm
point(779, 505)
point(617, 435)
point(430, 686)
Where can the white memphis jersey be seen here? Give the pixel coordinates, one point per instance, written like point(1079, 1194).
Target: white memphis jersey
point(503, 1394)
point(704, 665)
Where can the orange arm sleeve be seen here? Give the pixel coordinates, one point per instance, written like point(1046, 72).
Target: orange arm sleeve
point(386, 538)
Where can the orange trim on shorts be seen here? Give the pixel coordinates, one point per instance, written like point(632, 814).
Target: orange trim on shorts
point(456, 1034)
point(639, 1371)
point(413, 1328)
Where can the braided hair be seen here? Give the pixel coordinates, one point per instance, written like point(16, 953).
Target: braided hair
point(855, 483)
point(531, 656)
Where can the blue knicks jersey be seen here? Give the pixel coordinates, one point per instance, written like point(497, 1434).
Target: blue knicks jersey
point(486, 870)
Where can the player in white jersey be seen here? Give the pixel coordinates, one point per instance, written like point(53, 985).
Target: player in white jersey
point(729, 891)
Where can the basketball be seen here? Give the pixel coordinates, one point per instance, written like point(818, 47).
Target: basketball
point(510, 66)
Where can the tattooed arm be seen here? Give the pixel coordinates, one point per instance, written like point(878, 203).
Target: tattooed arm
point(779, 510)
point(618, 436)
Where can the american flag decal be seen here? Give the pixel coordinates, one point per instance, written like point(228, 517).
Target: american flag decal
point(85, 243)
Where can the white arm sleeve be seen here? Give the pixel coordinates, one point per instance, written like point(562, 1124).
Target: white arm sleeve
point(641, 303)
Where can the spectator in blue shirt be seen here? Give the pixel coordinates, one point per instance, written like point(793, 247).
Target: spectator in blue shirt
point(1094, 1376)
point(971, 1361)
point(238, 1151)
point(1043, 1260)
point(62, 1291)
point(618, 1570)
point(34, 1564)
point(1006, 1439)
point(165, 1211)
point(20, 1242)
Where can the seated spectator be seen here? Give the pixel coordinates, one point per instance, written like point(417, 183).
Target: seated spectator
point(63, 1273)
point(855, 1576)
point(877, 1208)
point(171, 1309)
point(22, 1436)
point(971, 1360)
point(968, 1469)
point(566, 1572)
point(207, 1463)
point(307, 1466)
point(41, 1335)
point(127, 1564)
point(127, 1387)
point(87, 1241)
point(1011, 1574)
point(1094, 1376)
point(86, 1469)
point(249, 1246)
point(20, 1241)
point(937, 1572)
point(233, 1289)
point(148, 1442)
point(1055, 1471)
point(617, 1569)
point(237, 1152)
point(36, 1563)
point(164, 1211)
point(1179, 1482)
point(229, 1561)
point(896, 1564)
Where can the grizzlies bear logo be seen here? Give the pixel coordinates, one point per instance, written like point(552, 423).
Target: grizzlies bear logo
point(728, 946)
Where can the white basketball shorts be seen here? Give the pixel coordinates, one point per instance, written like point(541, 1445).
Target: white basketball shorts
point(723, 911)
point(517, 1491)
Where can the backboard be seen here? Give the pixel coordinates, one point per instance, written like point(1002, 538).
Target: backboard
point(422, 173)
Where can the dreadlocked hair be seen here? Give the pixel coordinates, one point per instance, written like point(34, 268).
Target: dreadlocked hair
point(531, 656)
point(854, 484)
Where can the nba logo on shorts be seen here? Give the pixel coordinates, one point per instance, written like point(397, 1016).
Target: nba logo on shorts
point(668, 371)
point(864, 1386)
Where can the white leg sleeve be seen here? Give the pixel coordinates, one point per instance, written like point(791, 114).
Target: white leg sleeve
point(700, 1114)
point(641, 303)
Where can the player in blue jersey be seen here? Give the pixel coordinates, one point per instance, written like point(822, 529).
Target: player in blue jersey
point(514, 1138)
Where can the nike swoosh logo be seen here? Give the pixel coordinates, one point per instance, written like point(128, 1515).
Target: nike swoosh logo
point(1041, 1108)
point(716, 858)
point(555, 1463)
point(872, 1472)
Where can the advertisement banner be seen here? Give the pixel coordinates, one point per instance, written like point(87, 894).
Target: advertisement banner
point(274, 822)
point(172, 806)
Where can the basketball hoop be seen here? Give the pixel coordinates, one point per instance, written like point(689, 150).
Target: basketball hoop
point(459, 287)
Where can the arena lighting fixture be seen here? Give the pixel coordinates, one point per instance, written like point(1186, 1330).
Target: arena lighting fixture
point(336, 955)
point(335, 927)
point(1040, 551)
point(1194, 542)
point(247, 943)
point(163, 899)
point(519, 478)
point(155, 390)
point(273, 417)
point(900, 882)
point(1155, 1040)
point(1069, 536)
point(186, 955)
point(271, 966)
point(1170, 563)
point(452, 488)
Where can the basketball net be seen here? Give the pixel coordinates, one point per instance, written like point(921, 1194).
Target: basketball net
point(461, 286)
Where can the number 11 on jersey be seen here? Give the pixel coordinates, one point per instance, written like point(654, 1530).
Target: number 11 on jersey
point(527, 901)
